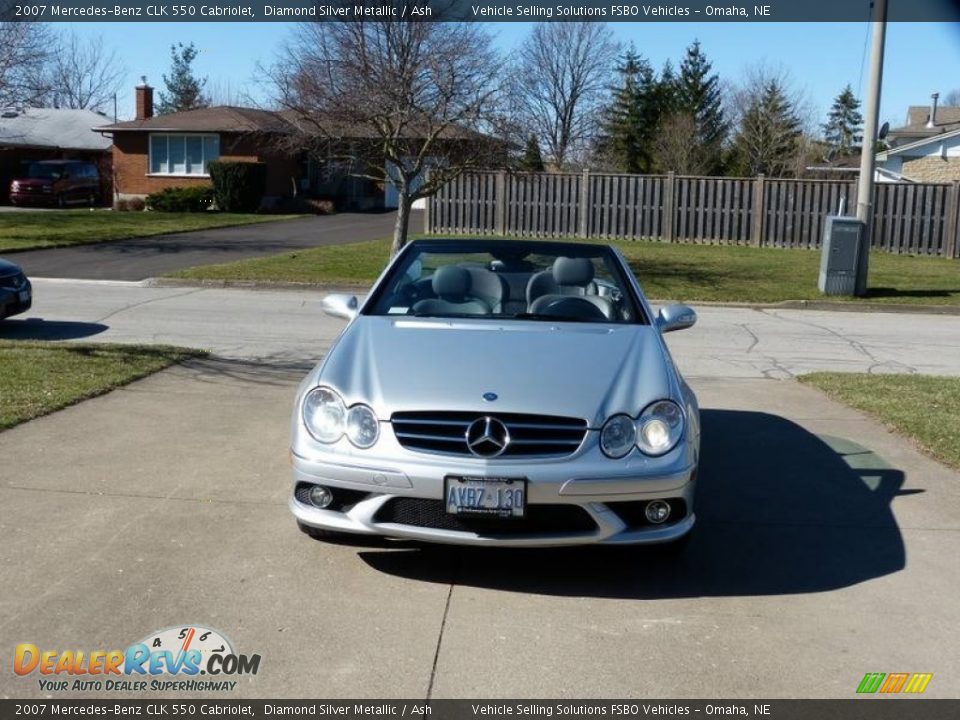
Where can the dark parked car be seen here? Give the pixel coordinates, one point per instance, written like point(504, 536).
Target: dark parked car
point(56, 182)
point(16, 295)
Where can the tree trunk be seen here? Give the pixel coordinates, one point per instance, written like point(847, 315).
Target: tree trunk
point(402, 225)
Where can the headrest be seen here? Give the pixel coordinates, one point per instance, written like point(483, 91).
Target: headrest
point(451, 281)
point(573, 271)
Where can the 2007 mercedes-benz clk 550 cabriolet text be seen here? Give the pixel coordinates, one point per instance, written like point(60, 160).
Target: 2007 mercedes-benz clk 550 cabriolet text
point(499, 392)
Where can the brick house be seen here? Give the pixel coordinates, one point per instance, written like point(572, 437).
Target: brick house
point(927, 148)
point(153, 152)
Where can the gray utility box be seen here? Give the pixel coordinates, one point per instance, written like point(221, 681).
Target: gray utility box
point(843, 259)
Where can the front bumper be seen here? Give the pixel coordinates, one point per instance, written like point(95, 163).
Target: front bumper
point(609, 502)
point(14, 302)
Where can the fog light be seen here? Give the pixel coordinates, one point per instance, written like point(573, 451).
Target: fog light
point(321, 497)
point(657, 511)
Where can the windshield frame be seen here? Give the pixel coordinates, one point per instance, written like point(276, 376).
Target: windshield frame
point(613, 260)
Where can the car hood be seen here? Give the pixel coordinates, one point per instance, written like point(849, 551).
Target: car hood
point(8, 268)
point(577, 370)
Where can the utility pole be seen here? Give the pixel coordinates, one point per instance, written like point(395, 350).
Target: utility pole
point(871, 120)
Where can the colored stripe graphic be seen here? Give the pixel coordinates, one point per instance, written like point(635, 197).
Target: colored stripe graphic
point(894, 682)
point(870, 683)
point(918, 682)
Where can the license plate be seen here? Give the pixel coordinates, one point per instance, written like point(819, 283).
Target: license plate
point(24, 295)
point(495, 497)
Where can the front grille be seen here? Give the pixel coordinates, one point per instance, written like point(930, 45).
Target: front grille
point(539, 520)
point(530, 435)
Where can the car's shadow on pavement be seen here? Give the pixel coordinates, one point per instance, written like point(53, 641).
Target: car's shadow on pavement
point(780, 510)
point(39, 329)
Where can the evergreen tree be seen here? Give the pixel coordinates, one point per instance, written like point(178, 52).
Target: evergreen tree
point(698, 95)
point(844, 127)
point(184, 89)
point(532, 160)
point(667, 92)
point(769, 137)
point(631, 119)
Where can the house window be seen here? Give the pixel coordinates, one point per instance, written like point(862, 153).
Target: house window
point(183, 154)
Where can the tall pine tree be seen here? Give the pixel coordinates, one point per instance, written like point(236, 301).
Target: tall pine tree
point(769, 135)
point(698, 95)
point(631, 119)
point(184, 89)
point(843, 130)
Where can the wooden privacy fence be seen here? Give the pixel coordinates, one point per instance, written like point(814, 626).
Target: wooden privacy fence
point(763, 212)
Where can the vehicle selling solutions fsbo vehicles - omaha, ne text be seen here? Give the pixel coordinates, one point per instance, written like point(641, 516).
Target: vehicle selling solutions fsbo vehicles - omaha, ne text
point(499, 393)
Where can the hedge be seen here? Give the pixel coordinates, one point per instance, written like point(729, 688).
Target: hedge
point(181, 199)
point(238, 186)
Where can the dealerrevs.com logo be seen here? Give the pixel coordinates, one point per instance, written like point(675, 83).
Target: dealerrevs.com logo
point(190, 658)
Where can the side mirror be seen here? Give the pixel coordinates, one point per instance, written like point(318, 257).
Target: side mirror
point(676, 317)
point(341, 306)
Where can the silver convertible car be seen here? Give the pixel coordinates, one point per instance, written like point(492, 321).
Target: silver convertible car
point(499, 392)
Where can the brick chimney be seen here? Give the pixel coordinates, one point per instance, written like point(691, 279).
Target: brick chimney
point(144, 99)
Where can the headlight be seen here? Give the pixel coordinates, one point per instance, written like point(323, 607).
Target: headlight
point(324, 414)
point(363, 429)
point(618, 436)
point(659, 427)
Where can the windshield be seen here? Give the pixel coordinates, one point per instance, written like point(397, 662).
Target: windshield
point(512, 280)
point(39, 171)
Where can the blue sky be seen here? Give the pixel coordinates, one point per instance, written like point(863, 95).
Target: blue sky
point(921, 58)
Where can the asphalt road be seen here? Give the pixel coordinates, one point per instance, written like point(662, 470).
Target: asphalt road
point(826, 546)
point(287, 327)
point(141, 258)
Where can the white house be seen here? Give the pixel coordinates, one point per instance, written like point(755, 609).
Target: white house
point(927, 148)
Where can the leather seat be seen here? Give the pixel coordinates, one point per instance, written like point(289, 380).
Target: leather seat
point(453, 287)
point(568, 277)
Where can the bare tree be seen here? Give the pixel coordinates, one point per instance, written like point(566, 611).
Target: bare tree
point(25, 50)
point(393, 99)
point(952, 98)
point(563, 75)
point(676, 146)
point(84, 74)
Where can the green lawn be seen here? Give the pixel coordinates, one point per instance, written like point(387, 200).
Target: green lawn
point(924, 408)
point(40, 377)
point(669, 272)
point(28, 230)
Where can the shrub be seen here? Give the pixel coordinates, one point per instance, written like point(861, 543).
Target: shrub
point(136, 204)
point(121, 205)
point(321, 206)
point(181, 199)
point(238, 186)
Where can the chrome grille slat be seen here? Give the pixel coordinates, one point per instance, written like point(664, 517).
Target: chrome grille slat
point(444, 433)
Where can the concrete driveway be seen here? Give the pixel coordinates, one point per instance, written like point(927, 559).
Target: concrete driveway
point(825, 549)
point(141, 258)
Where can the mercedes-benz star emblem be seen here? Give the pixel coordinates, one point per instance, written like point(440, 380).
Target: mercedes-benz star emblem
point(487, 437)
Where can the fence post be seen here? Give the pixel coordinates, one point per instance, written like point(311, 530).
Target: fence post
point(953, 219)
point(669, 207)
point(756, 238)
point(500, 217)
point(584, 228)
